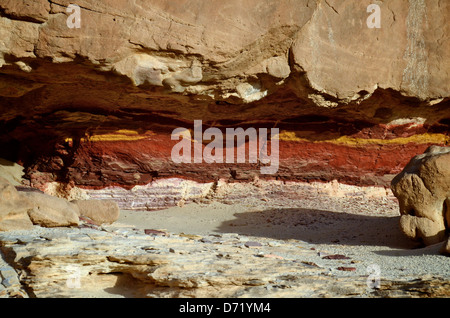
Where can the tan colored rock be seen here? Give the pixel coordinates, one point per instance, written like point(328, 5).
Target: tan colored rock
point(20, 210)
point(423, 192)
point(49, 211)
point(35, 11)
point(11, 171)
point(18, 38)
point(399, 55)
point(99, 211)
point(13, 208)
point(190, 45)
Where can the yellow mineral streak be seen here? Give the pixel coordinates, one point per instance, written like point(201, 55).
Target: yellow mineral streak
point(119, 135)
point(351, 141)
point(427, 138)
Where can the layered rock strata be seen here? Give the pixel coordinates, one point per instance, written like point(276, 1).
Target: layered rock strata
point(95, 106)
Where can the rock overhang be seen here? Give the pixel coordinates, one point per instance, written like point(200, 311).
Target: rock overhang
point(95, 105)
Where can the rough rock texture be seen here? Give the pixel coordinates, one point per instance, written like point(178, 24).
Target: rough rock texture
point(89, 112)
point(119, 262)
point(51, 211)
point(423, 192)
point(94, 106)
point(99, 211)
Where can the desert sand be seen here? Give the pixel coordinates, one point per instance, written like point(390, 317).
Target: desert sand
point(361, 223)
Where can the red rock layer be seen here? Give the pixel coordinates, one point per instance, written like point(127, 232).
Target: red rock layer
point(128, 159)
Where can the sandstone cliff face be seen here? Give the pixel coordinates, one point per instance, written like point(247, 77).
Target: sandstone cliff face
point(94, 106)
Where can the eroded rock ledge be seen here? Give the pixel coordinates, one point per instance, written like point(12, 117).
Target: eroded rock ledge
point(94, 106)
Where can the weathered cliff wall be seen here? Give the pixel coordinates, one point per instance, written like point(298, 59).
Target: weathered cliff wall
point(95, 106)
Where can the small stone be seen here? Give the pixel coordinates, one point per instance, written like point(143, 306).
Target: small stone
point(149, 248)
point(155, 232)
point(336, 256)
point(310, 264)
point(87, 220)
point(252, 244)
point(190, 236)
point(255, 282)
point(171, 250)
point(89, 226)
point(346, 269)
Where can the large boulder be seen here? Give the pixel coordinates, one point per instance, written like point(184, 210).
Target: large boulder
point(13, 208)
point(423, 192)
point(98, 211)
point(19, 210)
point(50, 211)
point(21, 206)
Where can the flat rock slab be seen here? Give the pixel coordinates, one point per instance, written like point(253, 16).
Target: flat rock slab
point(126, 262)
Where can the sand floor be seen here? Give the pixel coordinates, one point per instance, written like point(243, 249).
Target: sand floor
point(364, 227)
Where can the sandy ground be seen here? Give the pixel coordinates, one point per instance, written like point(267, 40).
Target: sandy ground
point(362, 227)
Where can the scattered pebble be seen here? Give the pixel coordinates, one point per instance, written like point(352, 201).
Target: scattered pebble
point(155, 232)
point(346, 269)
point(87, 220)
point(252, 244)
point(190, 236)
point(336, 256)
point(89, 225)
point(310, 263)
